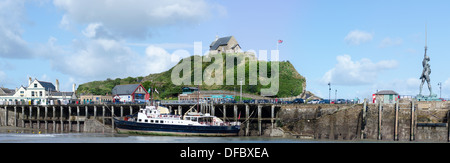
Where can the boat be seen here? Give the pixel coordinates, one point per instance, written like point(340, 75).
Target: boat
point(156, 120)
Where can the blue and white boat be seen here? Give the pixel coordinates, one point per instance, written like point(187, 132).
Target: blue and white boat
point(150, 120)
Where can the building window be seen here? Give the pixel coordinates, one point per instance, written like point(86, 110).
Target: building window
point(40, 93)
point(32, 93)
point(35, 85)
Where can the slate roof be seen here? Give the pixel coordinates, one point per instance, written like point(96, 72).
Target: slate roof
point(47, 85)
point(386, 92)
point(62, 93)
point(6, 91)
point(219, 42)
point(124, 89)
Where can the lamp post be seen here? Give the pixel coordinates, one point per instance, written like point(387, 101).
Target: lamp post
point(329, 91)
point(440, 89)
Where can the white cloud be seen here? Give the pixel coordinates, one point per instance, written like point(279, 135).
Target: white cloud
point(98, 59)
point(408, 86)
point(387, 42)
point(357, 37)
point(11, 43)
point(158, 59)
point(349, 72)
point(134, 18)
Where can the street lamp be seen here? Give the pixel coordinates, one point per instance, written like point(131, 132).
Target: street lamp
point(440, 89)
point(329, 91)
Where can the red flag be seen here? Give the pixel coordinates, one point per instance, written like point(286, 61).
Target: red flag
point(239, 116)
point(280, 41)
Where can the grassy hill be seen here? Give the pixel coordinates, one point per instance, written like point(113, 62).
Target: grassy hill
point(291, 83)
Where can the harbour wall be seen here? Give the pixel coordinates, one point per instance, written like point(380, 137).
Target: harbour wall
point(405, 121)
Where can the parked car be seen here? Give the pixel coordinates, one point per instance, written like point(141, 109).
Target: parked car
point(315, 101)
point(324, 101)
point(341, 101)
point(298, 101)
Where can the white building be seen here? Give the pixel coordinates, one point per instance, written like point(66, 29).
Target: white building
point(39, 93)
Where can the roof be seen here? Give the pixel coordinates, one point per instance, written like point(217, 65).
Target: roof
point(61, 93)
point(124, 89)
point(47, 85)
point(219, 42)
point(6, 91)
point(386, 92)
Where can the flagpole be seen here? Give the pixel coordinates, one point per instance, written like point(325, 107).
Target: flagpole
point(277, 44)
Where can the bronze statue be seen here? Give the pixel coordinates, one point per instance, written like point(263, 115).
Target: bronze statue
point(426, 69)
point(426, 72)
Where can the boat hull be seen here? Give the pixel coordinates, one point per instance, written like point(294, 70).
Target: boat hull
point(174, 130)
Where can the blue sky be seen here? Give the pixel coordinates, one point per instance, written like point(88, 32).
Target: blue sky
point(358, 46)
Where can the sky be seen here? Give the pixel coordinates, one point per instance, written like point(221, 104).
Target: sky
point(357, 46)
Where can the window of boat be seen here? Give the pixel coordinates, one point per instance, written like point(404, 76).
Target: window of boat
point(146, 120)
point(194, 119)
point(151, 121)
point(140, 120)
point(188, 118)
point(156, 121)
point(161, 121)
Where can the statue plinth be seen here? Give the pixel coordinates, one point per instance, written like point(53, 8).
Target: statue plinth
point(432, 97)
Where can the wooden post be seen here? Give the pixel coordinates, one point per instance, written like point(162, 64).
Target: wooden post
point(95, 111)
point(213, 109)
point(411, 135)
point(69, 119)
point(131, 110)
point(235, 108)
point(259, 119)
point(45, 118)
point(78, 119)
point(272, 110)
point(396, 122)
point(61, 118)
point(53, 118)
point(380, 115)
point(6, 115)
point(38, 117)
point(23, 116)
point(448, 126)
point(224, 112)
point(112, 118)
point(363, 121)
point(86, 113)
point(103, 118)
point(15, 116)
point(247, 112)
point(29, 118)
point(121, 111)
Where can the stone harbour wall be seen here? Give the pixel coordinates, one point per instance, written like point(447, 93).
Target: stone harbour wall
point(429, 121)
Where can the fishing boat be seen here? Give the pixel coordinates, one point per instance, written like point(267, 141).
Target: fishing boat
point(155, 120)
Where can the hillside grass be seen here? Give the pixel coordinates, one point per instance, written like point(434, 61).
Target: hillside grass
point(291, 83)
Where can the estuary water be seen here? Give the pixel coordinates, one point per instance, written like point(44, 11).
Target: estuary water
point(122, 138)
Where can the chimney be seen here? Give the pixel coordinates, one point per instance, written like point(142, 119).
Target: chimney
point(217, 37)
point(29, 81)
point(73, 87)
point(57, 85)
